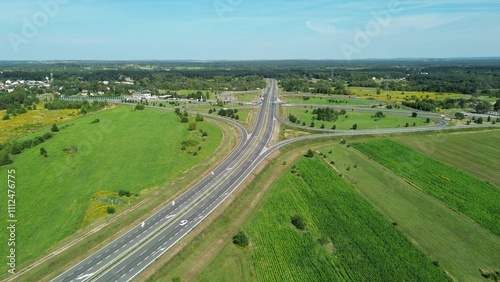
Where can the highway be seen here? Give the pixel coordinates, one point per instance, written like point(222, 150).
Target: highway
point(126, 256)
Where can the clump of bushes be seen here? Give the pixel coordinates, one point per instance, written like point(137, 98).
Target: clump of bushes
point(122, 193)
point(240, 239)
point(298, 222)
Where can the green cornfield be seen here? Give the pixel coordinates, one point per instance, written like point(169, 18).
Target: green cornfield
point(461, 191)
point(345, 238)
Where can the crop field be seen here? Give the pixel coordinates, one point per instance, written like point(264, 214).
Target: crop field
point(461, 191)
point(126, 150)
point(364, 120)
point(475, 152)
point(344, 238)
point(459, 245)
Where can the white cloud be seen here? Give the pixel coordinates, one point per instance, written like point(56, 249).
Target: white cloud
point(322, 27)
point(421, 22)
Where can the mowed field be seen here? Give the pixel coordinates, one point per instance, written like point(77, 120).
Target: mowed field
point(345, 238)
point(475, 152)
point(126, 150)
point(364, 120)
point(461, 191)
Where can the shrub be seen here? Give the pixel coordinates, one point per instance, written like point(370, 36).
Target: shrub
point(240, 239)
point(43, 152)
point(5, 160)
point(139, 107)
point(310, 153)
point(54, 128)
point(298, 222)
point(110, 210)
point(122, 193)
point(192, 126)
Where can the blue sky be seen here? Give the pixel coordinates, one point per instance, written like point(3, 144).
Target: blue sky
point(247, 29)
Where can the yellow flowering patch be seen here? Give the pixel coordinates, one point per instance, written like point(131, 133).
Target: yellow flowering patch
point(97, 206)
point(400, 96)
point(31, 121)
point(102, 200)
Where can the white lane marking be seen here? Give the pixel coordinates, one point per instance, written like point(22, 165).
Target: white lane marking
point(157, 251)
point(85, 276)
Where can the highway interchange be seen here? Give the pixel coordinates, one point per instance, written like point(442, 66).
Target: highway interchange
point(128, 255)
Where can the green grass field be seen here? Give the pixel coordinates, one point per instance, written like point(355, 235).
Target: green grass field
point(345, 238)
point(459, 190)
point(364, 120)
point(327, 100)
point(245, 96)
point(474, 152)
point(457, 243)
point(130, 150)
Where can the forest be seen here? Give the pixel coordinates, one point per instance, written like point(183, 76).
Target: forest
point(463, 76)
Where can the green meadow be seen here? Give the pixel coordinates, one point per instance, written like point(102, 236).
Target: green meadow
point(126, 150)
point(326, 100)
point(364, 120)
